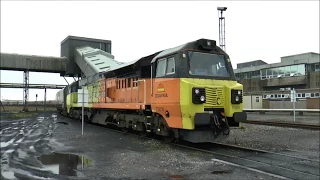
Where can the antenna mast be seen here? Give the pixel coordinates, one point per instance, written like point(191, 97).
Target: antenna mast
point(222, 38)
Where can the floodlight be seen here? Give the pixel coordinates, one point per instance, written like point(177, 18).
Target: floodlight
point(222, 8)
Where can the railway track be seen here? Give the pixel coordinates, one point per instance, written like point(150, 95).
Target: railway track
point(276, 165)
point(284, 124)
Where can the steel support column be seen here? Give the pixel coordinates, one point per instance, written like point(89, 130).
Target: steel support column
point(222, 38)
point(25, 90)
point(45, 98)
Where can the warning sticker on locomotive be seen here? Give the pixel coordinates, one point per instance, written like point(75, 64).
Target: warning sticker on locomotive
point(161, 88)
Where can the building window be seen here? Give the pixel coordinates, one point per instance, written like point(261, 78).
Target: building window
point(257, 99)
point(285, 71)
point(129, 82)
point(263, 73)
point(317, 67)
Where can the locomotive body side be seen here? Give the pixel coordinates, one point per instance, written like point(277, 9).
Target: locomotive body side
point(188, 92)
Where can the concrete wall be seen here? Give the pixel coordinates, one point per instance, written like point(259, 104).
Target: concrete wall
point(302, 104)
point(313, 103)
point(309, 103)
point(285, 81)
point(251, 85)
point(314, 79)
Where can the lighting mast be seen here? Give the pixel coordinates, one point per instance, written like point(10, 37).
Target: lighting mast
point(222, 38)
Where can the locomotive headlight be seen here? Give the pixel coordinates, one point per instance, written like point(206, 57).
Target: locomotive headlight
point(198, 95)
point(236, 96)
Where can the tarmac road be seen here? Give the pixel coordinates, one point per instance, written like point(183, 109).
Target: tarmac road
point(50, 146)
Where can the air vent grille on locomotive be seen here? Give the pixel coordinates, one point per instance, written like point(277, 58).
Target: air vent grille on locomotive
point(214, 97)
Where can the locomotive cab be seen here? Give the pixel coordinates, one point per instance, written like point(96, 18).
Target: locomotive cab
point(198, 78)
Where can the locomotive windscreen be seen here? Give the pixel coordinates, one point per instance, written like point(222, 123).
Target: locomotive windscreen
point(206, 64)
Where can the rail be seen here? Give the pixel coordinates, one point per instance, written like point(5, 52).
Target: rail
point(285, 124)
point(281, 110)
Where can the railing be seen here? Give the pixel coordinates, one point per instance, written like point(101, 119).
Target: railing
point(14, 103)
point(281, 110)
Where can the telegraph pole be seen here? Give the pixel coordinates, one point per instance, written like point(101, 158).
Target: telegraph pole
point(222, 38)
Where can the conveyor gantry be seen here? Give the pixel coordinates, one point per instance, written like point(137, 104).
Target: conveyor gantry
point(92, 61)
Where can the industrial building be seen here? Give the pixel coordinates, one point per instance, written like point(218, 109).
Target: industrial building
point(267, 84)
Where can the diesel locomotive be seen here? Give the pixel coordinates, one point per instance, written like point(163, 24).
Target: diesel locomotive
point(188, 92)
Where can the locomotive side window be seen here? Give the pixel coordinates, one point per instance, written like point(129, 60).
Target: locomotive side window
point(129, 82)
point(170, 66)
point(161, 68)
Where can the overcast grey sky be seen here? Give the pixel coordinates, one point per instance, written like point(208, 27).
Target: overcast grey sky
point(263, 30)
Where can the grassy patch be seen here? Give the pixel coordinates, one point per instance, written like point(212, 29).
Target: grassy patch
point(23, 115)
point(30, 108)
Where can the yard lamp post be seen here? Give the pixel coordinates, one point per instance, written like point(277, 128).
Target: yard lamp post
point(36, 102)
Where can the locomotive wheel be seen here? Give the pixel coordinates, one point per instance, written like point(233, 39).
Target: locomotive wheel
point(126, 130)
point(170, 138)
point(143, 133)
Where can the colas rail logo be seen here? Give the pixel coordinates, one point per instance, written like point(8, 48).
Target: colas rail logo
point(161, 88)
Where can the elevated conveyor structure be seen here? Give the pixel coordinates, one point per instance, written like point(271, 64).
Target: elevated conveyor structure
point(93, 61)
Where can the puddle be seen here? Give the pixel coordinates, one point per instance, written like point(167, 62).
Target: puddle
point(221, 172)
point(5, 144)
point(8, 174)
point(64, 164)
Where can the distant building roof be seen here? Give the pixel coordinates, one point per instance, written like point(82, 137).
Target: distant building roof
point(303, 58)
point(250, 63)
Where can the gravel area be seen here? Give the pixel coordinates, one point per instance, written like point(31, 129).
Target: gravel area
point(285, 140)
point(307, 118)
point(120, 156)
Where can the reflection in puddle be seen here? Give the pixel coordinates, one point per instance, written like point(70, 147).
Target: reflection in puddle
point(64, 164)
point(176, 176)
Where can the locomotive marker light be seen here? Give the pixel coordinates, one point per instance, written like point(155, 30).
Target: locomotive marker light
point(196, 91)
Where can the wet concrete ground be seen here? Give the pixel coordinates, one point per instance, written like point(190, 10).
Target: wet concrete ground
point(50, 146)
